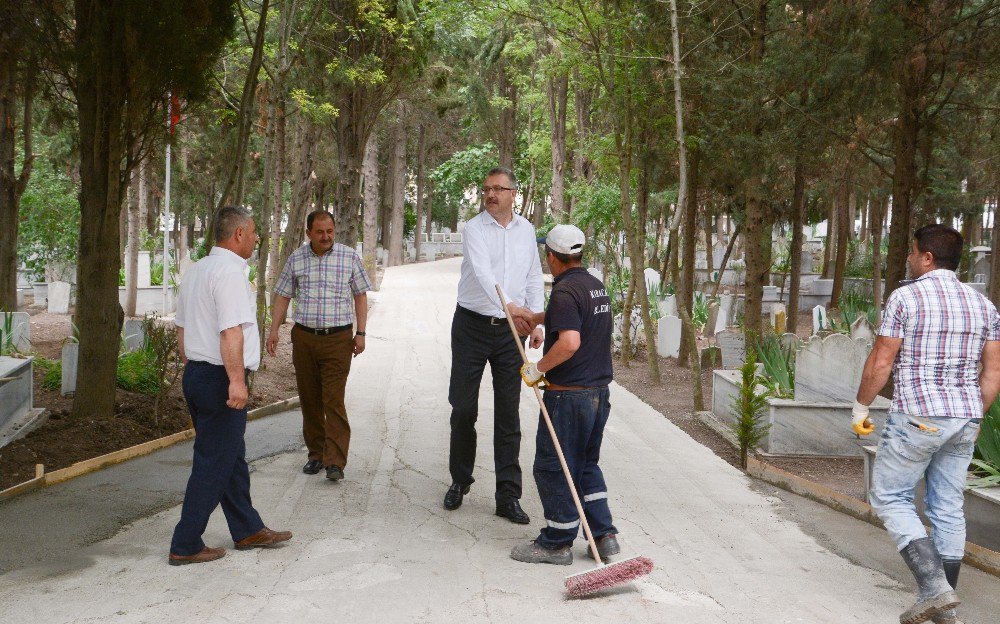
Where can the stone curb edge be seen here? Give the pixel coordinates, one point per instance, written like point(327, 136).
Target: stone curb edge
point(116, 457)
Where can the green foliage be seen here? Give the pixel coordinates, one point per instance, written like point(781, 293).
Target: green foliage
point(7, 334)
point(161, 343)
point(854, 304)
point(699, 311)
point(779, 366)
point(988, 448)
point(136, 372)
point(861, 260)
point(462, 173)
point(49, 220)
point(51, 372)
point(409, 221)
point(748, 409)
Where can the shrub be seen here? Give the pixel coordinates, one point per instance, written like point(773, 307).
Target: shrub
point(137, 372)
point(51, 372)
point(748, 407)
point(988, 449)
point(779, 366)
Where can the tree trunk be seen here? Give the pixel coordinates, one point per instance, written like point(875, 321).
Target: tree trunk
point(831, 240)
point(843, 205)
point(795, 249)
point(307, 138)
point(351, 141)
point(725, 258)
point(875, 222)
point(266, 209)
point(371, 195)
point(709, 259)
point(100, 110)
point(12, 184)
point(132, 248)
point(688, 245)
point(508, 120)
point(397, 193)
point(421, 185)
point(558, 89)
point(280, 155)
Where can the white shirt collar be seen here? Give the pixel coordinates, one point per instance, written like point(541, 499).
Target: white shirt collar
point(488, 218)
point(227, 255)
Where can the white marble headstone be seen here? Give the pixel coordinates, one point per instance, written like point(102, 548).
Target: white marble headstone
point(59, 297)
point(820, 321)
point(668, 307)
point(770, 294)
point(734, 348)
point(861, 329)
point(144, 278)
point(829, 369)
point(133, 334)
point(821, 287)
point(668, 337)
point(790, 342)
point(70, 366)
point(652, 278)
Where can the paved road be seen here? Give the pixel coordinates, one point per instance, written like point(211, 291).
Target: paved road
point(378, 547)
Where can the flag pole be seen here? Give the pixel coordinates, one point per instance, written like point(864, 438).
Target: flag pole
point(166, 210)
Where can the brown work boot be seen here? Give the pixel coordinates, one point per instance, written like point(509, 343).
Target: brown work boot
point(207, 554)
point(264, 538)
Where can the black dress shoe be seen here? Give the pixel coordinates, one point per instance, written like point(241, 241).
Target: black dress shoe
point(453, 497)
point(312, 466)
point(512, 511)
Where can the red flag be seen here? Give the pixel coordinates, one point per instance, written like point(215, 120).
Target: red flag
point(175, 113)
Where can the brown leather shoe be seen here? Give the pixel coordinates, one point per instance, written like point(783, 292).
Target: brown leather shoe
point(207, 554)
point(264, 538)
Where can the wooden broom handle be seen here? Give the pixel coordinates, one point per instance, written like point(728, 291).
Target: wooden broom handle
point(555, 439)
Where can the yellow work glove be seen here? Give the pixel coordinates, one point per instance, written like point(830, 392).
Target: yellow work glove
point(531, 375)
point(860, 423)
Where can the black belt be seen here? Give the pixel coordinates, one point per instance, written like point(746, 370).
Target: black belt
point(324, 331)
point(492, 320)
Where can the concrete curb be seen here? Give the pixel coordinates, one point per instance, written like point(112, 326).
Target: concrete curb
point(44, 479)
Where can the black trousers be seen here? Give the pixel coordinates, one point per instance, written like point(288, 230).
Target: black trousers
point(475, 340)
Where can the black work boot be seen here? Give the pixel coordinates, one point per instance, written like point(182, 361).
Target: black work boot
point(951, 569)
point(935, 595)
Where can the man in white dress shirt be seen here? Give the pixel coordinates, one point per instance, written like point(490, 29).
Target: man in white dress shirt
point(218, 341)
point(499, 247)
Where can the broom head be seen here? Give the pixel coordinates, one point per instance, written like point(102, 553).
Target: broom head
point(607, 576)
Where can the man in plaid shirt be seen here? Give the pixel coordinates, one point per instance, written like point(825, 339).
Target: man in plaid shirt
point(329, 284)
point(935, 333)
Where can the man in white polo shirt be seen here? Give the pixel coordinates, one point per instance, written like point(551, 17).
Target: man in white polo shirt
point(499, 247)
point(218, 341)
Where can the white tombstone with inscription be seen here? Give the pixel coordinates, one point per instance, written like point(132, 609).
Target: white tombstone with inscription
point(733, 345)
point(829, 369)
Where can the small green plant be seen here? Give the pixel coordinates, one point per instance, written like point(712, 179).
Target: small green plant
point(779, 366)
point(161, 343)
point(991, 478)
point(136, 372)
point(699, 311)
point(7, 334)
point(987, 460)
point(51, 372)
point(748, 408)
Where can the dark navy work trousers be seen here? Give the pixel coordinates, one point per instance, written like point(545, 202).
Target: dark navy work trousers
point(219, 474)
point(579, 417)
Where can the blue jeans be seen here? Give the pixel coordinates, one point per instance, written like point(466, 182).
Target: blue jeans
point(219, 474)
point(941, 453)
point(579, 417)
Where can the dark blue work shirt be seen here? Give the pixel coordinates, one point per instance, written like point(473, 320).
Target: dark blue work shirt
point(580, 302)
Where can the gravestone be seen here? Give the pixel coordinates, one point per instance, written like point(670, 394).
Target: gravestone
point(18, 415)
point(668, 307)
point(20, 329)
point(652, 279)
point(979, 287)
point(713, 319)
point(133, 334)
point(144, 278)
point(778, 309)
point(636, 334)
point(733, 345)
point(861, 329)
point(820, 321)
point(70, 366)
point(725, 317)
point(822, 287)
point(770, 294)
point(979, 277)
point(596, 273)
point(790, 342)
point(807, 261)
point(668, 337)
point(59, 297)
point(711, 357)
point(829, 369)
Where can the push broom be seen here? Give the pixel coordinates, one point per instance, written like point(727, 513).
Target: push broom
point(604, 576)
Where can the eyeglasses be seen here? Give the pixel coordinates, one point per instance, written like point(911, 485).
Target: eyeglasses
point(486, 190)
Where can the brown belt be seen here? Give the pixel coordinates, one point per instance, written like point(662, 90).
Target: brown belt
point(558, 388)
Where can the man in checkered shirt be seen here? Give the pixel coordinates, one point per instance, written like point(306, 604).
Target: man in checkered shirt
point(935, 333)
point(329, 285)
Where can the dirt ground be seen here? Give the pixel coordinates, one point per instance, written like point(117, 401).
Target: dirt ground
point(674, 399)
point(62, 440)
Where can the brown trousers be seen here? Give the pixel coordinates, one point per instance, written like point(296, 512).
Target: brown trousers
point(321, 367)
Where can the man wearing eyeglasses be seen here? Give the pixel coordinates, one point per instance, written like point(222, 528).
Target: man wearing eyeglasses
point(498, 247)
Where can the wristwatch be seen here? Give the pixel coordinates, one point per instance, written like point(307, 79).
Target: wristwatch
point(359, 333)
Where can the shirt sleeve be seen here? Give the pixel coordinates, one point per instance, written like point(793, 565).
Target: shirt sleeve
point(993, 326)
point(894, 317)
point(359, 277)
point(285, 286)
point(477, 251)
point(564, 313)
point(534, 286)
point(179, 308)
point(231, 292)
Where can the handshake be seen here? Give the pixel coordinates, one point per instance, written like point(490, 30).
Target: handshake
point(524, 319)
